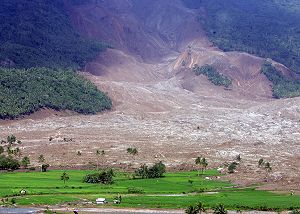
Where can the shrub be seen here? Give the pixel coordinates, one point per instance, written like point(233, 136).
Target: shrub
point(8, 163)
point(156, 171)
point(220, 209)
point(45, 167)
point(104, 177)
point(232, 167)
point(135, 190)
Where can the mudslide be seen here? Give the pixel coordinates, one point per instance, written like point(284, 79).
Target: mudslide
point(161, 107)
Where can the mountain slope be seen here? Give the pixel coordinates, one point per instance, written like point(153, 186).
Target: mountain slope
point(254, 27)
point(39, 34)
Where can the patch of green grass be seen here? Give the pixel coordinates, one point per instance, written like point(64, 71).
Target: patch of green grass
point(166, 192)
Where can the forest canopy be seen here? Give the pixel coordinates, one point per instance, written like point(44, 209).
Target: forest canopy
point(24, 91)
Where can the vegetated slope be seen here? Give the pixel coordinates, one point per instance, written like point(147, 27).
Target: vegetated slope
point(282, 86)
point(265, 28)
point(39, 34)
point(25, 91)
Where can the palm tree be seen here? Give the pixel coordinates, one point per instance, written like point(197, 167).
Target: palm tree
point(191, 210)
point(198, 162)
point(220, 209)
point(99, 153)
point(268, 169)
point(133, 152)
point(64, 177)
point(204, 164)
point(25, 162)
point(41, 160)
point(200, 207)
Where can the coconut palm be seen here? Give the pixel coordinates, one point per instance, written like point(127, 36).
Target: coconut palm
point(64, 177)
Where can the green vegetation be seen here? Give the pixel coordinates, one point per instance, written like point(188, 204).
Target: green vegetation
point(8, 163)
point(104, 177)
point(47, 188)
point(202, 162)
point(213, 75)
point(39, 34)
point(10, 160)
point(155, 171)
point(282, 86)
point(254, 27)
point(25, 91)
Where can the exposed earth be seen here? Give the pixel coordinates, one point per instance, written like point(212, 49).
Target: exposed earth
point(163, 109)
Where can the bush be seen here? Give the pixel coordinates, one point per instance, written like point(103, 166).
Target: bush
point(220, 209)
point(213, 75)
point(232, 167)
point(45, 167)
point(104, 177)
point(156, 171)
point(8, 163)
point(135, 190)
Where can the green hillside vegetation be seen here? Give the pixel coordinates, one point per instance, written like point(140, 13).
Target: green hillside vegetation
point(39, 34)
point(269, 29)
point(212, 75)
point(282, 86)
point(36, 34)
point(25, 91)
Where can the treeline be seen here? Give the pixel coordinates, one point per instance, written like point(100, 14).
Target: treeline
point(39, 34)
point(254, 26)
point(24, 91)
point(212, 75)
point(282, 86)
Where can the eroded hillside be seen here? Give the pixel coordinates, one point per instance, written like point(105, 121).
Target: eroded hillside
point(161, 107)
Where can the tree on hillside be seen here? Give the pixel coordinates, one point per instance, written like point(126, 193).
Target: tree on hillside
point(41, 159)
point(25, 162)
point(232, 167)
point(1, 150)
point(133, 152)
point(99, 153)
point(260, 162)
point(64, 177)
point(11, 139)
point(202, 162)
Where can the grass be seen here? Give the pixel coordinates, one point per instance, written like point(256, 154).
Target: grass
point(172, 191)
